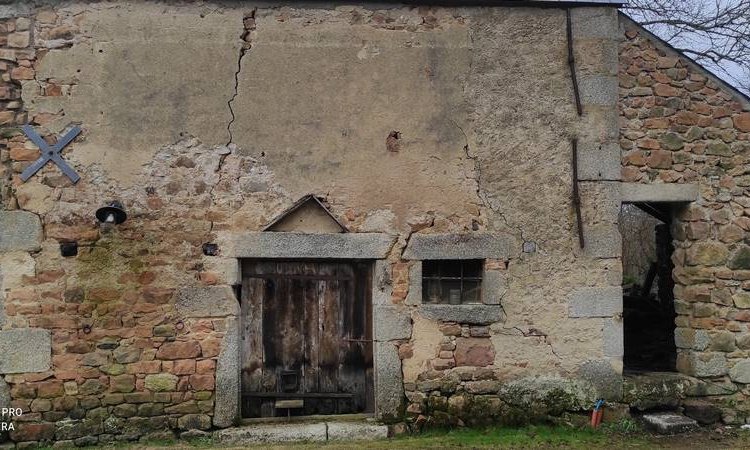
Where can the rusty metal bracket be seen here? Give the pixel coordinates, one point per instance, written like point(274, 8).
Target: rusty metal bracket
point(572, 62)
point(576, 193)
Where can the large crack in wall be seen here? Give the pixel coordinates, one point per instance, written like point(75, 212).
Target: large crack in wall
point(248, 23)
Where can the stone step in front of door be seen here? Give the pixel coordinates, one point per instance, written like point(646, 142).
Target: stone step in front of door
point(669, 422)
point(302, 432)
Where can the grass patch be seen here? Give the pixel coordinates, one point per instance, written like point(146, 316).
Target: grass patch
point(626, 434)
point(160, 442)
point(624, 426)
point(528, 437)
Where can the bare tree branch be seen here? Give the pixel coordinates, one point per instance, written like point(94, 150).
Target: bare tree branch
point(715, 33)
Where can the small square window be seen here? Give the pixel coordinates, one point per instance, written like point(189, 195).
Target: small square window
point(452, 282)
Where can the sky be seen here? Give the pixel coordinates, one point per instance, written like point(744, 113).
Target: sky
point(732, 73)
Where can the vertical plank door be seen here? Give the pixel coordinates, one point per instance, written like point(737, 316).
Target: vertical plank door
point(310, 321)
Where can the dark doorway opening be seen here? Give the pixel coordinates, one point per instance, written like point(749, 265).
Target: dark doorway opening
point(306, 338)
point(648, 287)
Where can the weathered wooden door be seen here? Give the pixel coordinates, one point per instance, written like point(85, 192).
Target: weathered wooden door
point(306, 336)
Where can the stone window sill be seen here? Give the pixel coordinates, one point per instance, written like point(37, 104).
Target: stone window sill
point(472, 314)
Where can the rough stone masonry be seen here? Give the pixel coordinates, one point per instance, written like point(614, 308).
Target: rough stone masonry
point(431, 133)
point(681, 126)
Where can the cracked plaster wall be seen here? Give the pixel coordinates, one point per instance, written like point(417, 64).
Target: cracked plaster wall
point(209, 119)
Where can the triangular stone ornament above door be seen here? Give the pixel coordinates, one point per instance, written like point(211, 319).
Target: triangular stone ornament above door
point(307, 215)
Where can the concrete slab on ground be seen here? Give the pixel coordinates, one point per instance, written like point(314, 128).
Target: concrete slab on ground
point(356, 431)
point(669, 422)
point(301, 432)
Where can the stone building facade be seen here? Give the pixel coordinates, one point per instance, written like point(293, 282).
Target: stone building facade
point(430, 135)
point(682, 127)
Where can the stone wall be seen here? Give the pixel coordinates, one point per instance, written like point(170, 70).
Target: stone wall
point(681, 125)
point(556, 341)
point(445, 130)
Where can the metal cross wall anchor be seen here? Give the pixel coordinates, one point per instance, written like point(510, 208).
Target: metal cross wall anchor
point(50, 153)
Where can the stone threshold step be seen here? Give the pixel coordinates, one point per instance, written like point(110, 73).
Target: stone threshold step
point(302, 432)
point(668, 422)
point(317, 418)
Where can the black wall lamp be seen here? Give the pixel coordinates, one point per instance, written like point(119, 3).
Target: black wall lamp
point(113, 213)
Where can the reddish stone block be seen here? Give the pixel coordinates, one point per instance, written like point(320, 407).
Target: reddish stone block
point(707, 323)
point(740, 316)
point(658, 123)
point(102, 294)
point(742, 122)
point(66, 403)
point(50, 389)
point(660, 159)
point(6, 92)
point(53, 90)
point(494, 264)
point(648, 144)
point(205, 366)
point(450, 329)
point(146, 278)
point(443, 364)
point(400, 292)
point(144, 367)
point(143, 308)
point(631, 174)
point(183, 367)
point(154, 202)
point(50, 322)
point(665, 90)
point(44, 118)
point(109, 323)
point(157, 295)
point(210, 347)
point(23, 154)
point(80, 347)
point(22, 73)
point(23, 391)
point(477, 352)
point(202, 326)
point(635, 158)
point(405, 351)
point(22, 404)
point(179, 350)
point(41, 376)
point(27, 431)
point(686, 118)
point(202, 382)
point(122, 383)
point(208, 278)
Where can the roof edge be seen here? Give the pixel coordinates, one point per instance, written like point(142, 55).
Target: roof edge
point(666, 46)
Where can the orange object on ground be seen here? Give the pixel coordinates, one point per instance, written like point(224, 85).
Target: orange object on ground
point(596, 414)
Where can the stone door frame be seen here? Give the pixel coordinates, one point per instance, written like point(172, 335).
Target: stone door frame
point(289, 245)
point(669, 193)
